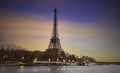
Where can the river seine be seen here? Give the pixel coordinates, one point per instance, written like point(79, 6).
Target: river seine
point(61, 69)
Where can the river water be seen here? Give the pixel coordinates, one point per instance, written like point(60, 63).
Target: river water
point(61, 69)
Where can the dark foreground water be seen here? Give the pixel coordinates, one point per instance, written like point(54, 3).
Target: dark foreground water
point(60, 69)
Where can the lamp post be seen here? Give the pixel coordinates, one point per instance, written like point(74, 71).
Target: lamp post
point(57, 60)
point(35, 60)
point(49, 60)
point(22, 58)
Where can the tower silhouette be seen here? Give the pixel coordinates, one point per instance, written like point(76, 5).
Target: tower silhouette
point(54, 49)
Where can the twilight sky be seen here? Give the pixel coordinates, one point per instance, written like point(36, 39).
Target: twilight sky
point(86, 27)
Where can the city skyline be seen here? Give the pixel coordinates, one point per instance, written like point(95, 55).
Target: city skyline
point(85, 27)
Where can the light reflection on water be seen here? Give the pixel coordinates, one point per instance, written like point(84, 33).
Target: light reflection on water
point(60, 69)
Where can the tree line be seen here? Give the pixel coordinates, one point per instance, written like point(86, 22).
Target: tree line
point(15, 53)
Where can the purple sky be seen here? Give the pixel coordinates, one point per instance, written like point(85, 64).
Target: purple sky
point(90, 27)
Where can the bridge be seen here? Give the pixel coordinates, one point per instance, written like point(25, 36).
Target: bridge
point(54, 63)
point(49, 62)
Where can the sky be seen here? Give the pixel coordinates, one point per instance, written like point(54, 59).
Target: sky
point(85, 27)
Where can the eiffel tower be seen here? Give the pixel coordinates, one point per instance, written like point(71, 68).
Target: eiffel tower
point(54, 49)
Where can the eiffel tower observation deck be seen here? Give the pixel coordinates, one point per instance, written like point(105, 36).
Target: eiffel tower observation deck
point(54, 49)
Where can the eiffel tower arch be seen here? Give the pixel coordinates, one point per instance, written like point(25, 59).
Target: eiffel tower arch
point(54, 49)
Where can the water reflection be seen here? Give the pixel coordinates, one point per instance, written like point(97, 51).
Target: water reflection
point(21, 69)
point(60, 69)
point(55, 69)
point(40, 69)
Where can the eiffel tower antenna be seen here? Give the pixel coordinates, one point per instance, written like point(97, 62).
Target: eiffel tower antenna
point(55, 41)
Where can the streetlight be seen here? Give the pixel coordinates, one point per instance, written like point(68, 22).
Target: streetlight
point(63, 60)
point(22, 57)
point(57, 60)
point(35, 60)
point(49, 61)
point(69, 60)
